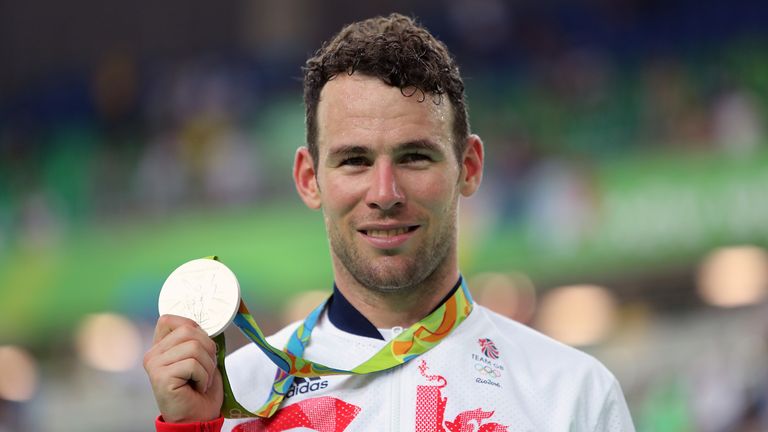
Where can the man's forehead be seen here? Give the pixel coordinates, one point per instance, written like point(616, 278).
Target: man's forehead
point(363, 102)
point(359, 90)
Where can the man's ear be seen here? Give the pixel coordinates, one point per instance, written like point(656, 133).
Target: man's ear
point(471, 166)
point(305, 177)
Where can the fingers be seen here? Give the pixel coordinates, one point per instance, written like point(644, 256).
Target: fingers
point(189, 350)
point(182, 353)
point(185, 350)
point(181, 365)
point(167, 323)
point(172, 330)
point(188, 372)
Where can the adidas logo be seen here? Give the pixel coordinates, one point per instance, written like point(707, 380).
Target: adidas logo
point(306, 385)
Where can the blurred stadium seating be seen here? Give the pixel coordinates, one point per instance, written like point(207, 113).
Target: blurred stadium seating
point(623, 209)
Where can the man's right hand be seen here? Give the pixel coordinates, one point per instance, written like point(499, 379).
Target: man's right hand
point(182, 370)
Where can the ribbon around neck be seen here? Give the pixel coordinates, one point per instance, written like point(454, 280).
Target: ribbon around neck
point(412, 342)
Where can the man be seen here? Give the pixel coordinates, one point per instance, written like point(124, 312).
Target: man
point(389, 154)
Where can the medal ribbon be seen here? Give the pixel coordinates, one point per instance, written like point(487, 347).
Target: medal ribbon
point(412, 342)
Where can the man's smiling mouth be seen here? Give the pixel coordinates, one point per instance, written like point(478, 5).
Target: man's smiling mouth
point(386, 233)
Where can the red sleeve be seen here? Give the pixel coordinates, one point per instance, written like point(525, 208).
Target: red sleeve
point(209, 426)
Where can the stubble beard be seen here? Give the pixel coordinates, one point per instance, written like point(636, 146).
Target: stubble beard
point(387, 277)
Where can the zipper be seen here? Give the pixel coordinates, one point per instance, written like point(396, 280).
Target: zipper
point(395, 400)
point(395, 397)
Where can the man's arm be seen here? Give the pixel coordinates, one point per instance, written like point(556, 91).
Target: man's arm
point(181, 366)
point(614, 415)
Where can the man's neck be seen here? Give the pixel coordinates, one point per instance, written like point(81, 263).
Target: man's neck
point(400, 308)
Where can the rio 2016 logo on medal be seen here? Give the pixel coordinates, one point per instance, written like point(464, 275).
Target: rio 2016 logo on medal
point(203, 290)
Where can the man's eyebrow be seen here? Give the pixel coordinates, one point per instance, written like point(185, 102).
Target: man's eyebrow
point(347, 150)
point(423, 144)
point(351, 150)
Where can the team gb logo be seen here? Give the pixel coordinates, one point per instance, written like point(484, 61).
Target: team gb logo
point(489, 348)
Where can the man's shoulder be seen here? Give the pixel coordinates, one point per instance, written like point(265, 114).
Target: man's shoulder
point(547, 370)
point(536, 350)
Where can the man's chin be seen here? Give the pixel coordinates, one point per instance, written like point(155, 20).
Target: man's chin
point(383, 270)
point(390, 277)
point(386, 286)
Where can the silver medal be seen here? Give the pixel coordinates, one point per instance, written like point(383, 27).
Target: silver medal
point(203, 290)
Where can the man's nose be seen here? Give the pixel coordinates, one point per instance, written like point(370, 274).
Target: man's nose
point(384, 192)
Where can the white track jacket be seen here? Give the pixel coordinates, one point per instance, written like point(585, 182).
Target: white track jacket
point(491, 374)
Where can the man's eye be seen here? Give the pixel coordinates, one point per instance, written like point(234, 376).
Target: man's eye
point(415, 157)
point(355, 161)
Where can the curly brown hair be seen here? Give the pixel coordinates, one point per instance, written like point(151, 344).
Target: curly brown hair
point(396, 50)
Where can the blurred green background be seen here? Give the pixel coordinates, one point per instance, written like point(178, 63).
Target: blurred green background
point(623, 208)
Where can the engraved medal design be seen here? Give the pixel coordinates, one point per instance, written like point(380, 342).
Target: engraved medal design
point(203, 290)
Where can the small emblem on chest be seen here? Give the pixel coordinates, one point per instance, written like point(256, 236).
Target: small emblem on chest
point(486, 366)
point(488, 348)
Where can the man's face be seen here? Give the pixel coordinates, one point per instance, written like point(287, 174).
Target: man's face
point(388, 182)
